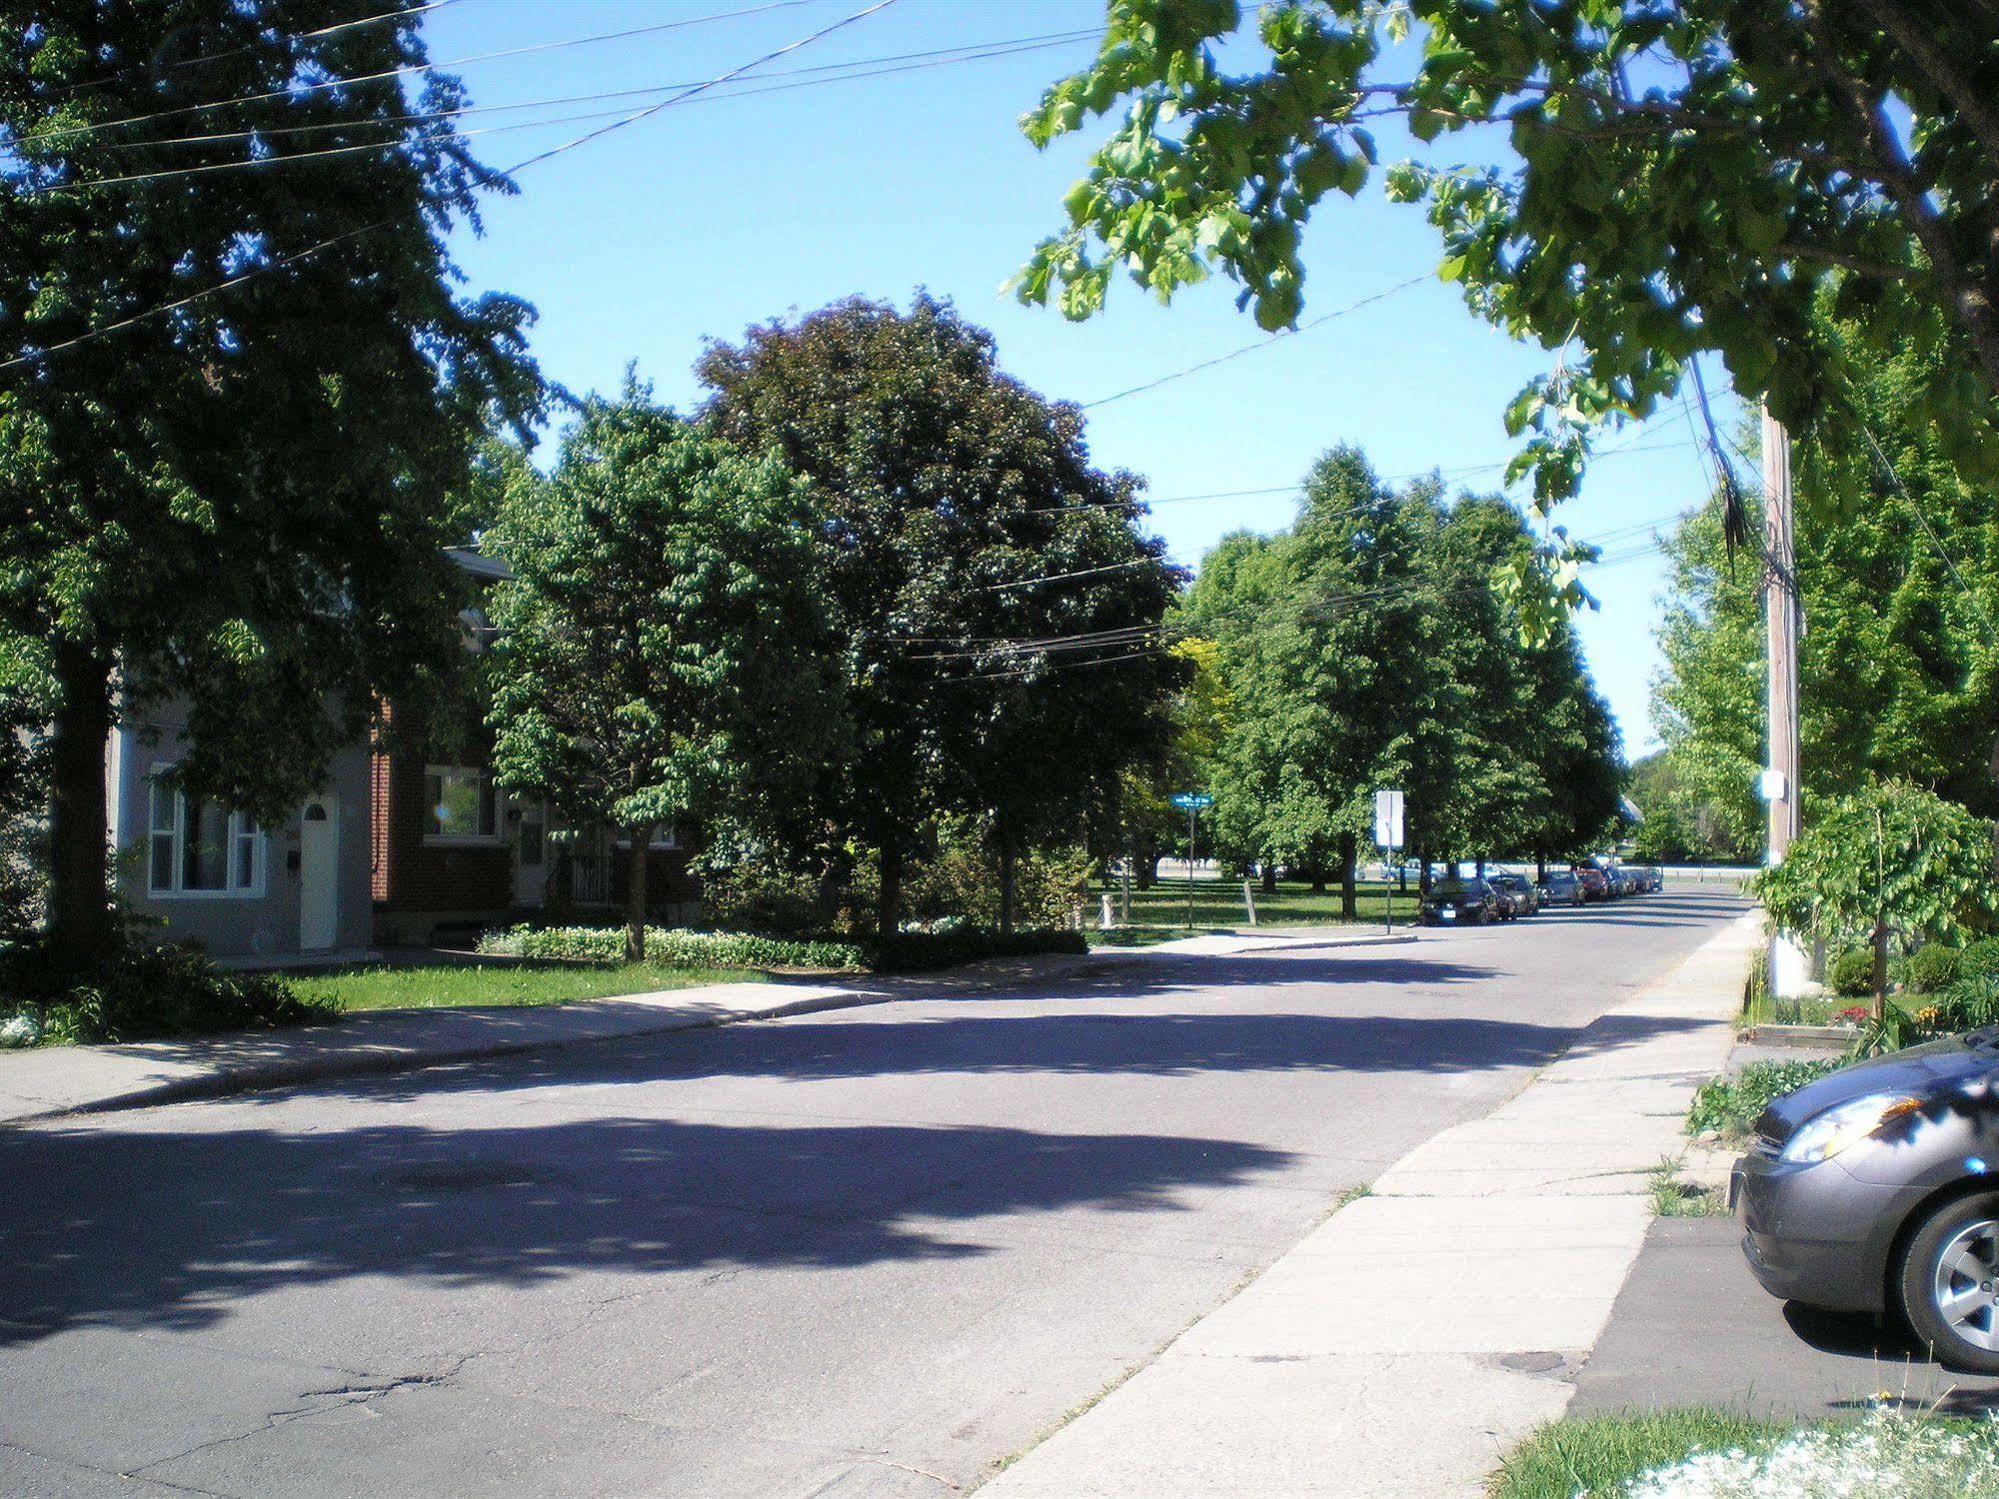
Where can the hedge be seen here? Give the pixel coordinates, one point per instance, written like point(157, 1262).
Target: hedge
point(909, 952)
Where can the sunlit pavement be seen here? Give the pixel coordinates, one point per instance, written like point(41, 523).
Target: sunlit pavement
point(863, 1252)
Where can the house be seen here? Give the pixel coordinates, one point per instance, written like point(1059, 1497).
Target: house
point(409, 838)
point(451, 851)
point(205, 873)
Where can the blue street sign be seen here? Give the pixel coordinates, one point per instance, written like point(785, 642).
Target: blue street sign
point(1193, 801)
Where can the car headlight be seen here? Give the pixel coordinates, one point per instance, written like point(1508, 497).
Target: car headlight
point(1845, 1125)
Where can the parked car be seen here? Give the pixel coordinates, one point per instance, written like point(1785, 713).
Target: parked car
point(1456, 902)
point(1873, 1190)
point(1560, 887)
point(1516, 894)
point(1596, 884)
point(1655, 878)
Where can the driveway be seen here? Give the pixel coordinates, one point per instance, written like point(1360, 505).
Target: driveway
point(866, 1252)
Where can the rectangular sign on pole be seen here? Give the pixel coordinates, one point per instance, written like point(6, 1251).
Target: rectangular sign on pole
point(1388, 819)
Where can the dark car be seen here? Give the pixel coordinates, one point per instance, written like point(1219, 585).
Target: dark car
point(1877, 1190)
point(1653, 877)
point(1516, 894)
point(1455, 902)
point(1561, 888)
point(1596, 885)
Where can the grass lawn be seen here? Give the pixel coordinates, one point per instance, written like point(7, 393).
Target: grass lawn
point(1218, 903)
point(444, 985)
point(1597, 1456)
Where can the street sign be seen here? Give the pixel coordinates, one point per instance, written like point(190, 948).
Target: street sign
point(1193, 801)
point(1388, 819)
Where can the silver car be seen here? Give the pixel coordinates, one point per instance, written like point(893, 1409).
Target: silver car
point(1877, 1190)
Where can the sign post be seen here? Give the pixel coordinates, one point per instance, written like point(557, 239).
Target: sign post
point(1388, 834)
point(1193, 802)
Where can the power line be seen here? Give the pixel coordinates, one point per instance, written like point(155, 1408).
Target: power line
point(412, 70)
point(326, 244)
point(1262, 343)
point(403, 14)
point(1033, 42)
point(857, 71)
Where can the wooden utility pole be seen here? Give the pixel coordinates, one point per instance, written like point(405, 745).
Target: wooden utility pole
point(1780, 605)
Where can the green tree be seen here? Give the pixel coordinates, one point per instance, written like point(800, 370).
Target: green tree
point(1889, 861)
point(234, 501)
point(1898, 667)
point(972, 561)
point(1683, 177)
point(660, 658)
point(1327, 656)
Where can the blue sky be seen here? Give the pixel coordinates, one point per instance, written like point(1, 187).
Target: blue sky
point(722, 212)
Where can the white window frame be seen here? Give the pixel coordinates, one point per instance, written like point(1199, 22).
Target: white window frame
point(484, 777)
point(242, 830)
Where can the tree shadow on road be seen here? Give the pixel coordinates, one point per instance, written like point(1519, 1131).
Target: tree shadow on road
point(166, 1229)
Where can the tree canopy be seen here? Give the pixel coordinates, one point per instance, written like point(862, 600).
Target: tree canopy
point(231, 400)
point(660, 657)
point(1677, 178)
point(995, 608)
point(1898, 667)
point(1363, 648)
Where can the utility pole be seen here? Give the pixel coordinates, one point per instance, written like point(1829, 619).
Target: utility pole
point(1788, 970)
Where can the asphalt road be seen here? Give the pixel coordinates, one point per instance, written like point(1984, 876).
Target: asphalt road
point(867, 1252)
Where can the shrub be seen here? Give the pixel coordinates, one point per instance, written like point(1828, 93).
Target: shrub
point(1963, 1005)
point(673, 947)
point(1730, 1105)
point(909, 952)
point(1851, 973)
point(1980, 960)
point(135, 992)
point(1930, 968)
point(916, 952)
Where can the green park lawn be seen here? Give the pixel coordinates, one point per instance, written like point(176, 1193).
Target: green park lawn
point(445, 985)
point(1218, 903)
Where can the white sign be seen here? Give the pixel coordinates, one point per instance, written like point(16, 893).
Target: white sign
point(1774, 786)
point(1388, 819)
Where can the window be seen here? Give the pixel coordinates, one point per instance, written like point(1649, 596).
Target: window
point(200, 847)
point(460, 804)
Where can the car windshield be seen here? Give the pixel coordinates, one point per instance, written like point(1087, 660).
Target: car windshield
point(1508, 881)
point(1458, 887)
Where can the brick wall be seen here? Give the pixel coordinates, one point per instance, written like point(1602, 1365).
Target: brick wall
point(409, 874)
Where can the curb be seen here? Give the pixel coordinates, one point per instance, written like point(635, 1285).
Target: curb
point(225, 1080)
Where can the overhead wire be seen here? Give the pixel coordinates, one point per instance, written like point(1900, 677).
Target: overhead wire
point(64, 132)
point(308, 251)
point(857, 71)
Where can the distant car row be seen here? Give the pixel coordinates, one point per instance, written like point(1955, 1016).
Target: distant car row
point(1455, 901)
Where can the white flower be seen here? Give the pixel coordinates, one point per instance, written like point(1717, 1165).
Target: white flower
point(1887, 1454)
point(20, 1031)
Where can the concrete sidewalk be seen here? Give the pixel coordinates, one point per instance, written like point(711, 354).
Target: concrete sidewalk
point(1404, 1345)
point(53, 1080)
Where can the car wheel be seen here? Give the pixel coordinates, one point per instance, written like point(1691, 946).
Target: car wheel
point(1950, 1283)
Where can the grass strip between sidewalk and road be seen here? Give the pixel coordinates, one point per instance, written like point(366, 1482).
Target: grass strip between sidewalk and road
point(448, 985)
point(1595, 1457)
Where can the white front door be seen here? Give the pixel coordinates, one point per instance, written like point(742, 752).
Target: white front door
point(531, 854)
point(319, 874)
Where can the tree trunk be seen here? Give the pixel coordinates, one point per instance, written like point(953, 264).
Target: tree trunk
point(1349, 896)
point(79, 809)
point(888, 905)
point(1479, 866)
point(635, 892)
point(1318, 877)
point(832, 876)
point(1006, 879)
point(1880, 971)
point(1422, 872)
point(1145, 868)
point(1540, 867)
point(1269, 876)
